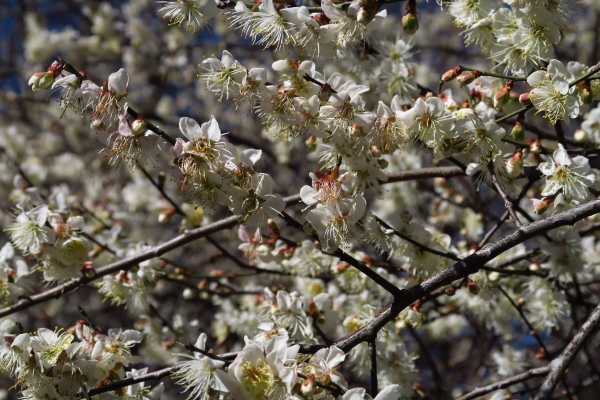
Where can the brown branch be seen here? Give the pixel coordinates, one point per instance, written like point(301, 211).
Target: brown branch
point(559, 365)
point(131, 381)
point(343, 256)
point(513, 380)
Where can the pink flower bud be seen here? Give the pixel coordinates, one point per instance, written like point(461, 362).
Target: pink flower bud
point(468, 77)
point(536, 147)
point(514, 166)
point(452, 74)
point(525, 99)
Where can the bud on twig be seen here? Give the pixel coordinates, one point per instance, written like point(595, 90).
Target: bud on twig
point(410, 23)
point(473, 287)
point(536, 147)
point(525, 99)
point(514, 166)
point(452, 74)
point(518, 131)
point(468, 77)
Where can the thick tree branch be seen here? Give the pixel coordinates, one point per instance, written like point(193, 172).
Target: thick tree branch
point(559, 365)
point(131, 381)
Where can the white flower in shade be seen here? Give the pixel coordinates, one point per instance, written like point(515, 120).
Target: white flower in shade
point(253, 372)
point(556, 99)
point(314, 39)
point(28, 232)
point(591, 126)
point(476, 136)
point(288, 312)
point(468, 12)
point(430, 122)
point(48, 345)
point(392, 392)
point(13, 352)
point(223, 77)
point(204, 151)
point(510, 361)
point(536, 32)
point(201, 372)
point(115, 347)
point(138, 391)
point(266, 26)
point(258, 203)
point(195, 14)
point(571, 176)
point(324, 365)
point(105, 100)
point(350, 30)
point(336, 223)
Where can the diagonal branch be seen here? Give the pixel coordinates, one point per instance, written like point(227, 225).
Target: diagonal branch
point(559, 365)
point(513, 380)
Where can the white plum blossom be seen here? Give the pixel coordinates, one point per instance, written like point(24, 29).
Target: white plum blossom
point(571, 176)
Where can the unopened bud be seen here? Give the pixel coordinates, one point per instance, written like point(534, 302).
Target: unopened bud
point(188, 294)
point(468, 77)
point(514, 166)
point(98, 125)
point(165, 216)
point(503, 94)
point(375, 152)
point(41, 81)
point(341, 267)
point(366, 15)
point(88, 269)
point(518, 131)
point(311, 144)
point(580, 135)
point(536, 147)
point(472, 286)
point(521, 302)
point(541, 206)
point(452, 74)
point(383, 163)
point(525, 99)
point(308, 386)
point(587, 95)
point(138, 127)
point(450, 291)
point(410, 23)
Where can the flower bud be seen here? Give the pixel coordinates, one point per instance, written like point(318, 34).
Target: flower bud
point(468, 77)
point(366, 15)
point(88, 269)
point(518, 131)
point(514, 166)
point(525, 99)
point(165, 216)
point(308, 386)
point(138, 127)
point(536, 147)
point(41, 81)
point(472, 286)
point(311, 144)
point(586, 93)
point(450, 291)
point(580, 135)
point(452, 74)
point(503, 94)
point(410, 23)
point(383, 163)
point(188, 294)
point(541, 206)
point(98, 125)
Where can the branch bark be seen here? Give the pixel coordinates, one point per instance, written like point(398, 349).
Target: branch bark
point(513, 380)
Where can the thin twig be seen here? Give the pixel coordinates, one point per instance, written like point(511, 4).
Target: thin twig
point(513, 380)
